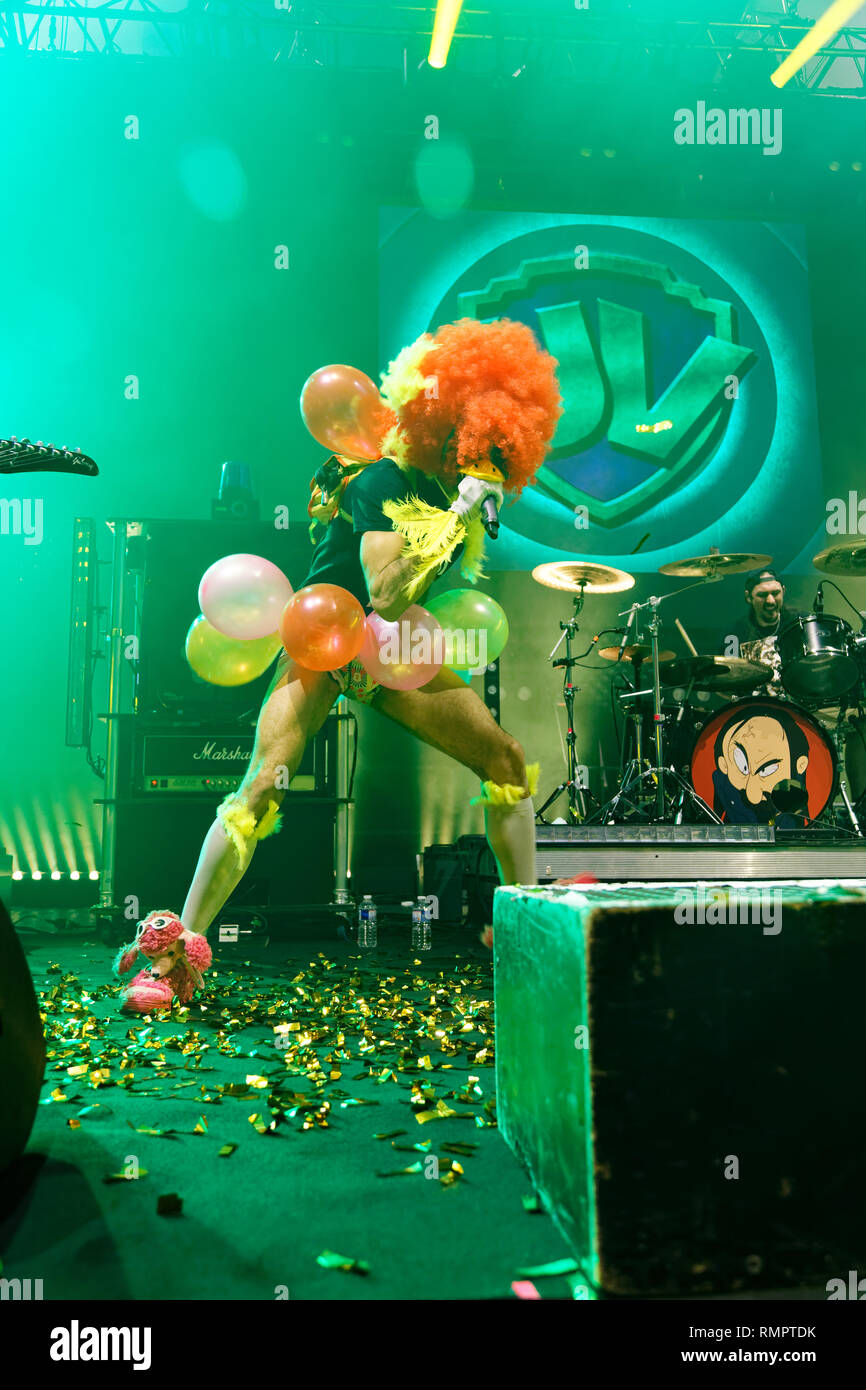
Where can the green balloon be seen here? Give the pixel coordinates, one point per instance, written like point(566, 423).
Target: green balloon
point(225, 660)
point(475, 626)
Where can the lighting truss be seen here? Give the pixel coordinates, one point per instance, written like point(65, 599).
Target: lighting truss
point(551, 42)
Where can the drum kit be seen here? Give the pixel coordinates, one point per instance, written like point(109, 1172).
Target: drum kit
point(759, 737)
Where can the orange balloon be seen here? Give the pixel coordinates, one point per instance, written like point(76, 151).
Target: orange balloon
point(322, 627)
point(342, 409)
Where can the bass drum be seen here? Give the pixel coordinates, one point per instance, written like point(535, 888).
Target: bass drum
point(764, 760)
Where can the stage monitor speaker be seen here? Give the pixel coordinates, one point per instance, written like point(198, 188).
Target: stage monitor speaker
point(174, 555)
point(22, 1046)
point(679, 1070)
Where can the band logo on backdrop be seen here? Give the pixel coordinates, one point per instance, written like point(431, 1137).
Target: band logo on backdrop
point(650, 369)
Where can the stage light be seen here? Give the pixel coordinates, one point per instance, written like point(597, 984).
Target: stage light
point(17, 874)
point(94, 873)
point(822, 31)
point(75, 875)
point(55, 873)
point(36, 874)
point(447, 15)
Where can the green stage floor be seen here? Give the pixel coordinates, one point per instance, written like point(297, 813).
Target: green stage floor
point(256, 1217)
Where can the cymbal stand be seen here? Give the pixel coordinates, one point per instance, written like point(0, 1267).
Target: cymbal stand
point(576, 793)
point(840, 734)
point(657, 783)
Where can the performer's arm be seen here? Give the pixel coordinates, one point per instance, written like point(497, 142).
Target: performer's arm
point(389, 573)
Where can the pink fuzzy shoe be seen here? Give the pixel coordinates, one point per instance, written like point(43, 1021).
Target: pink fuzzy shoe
point(177, 958)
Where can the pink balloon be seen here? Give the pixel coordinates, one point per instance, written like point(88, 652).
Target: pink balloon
point(244, 596)
point(406, 654)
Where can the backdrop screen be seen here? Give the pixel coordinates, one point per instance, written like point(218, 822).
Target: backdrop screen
point(685, 365)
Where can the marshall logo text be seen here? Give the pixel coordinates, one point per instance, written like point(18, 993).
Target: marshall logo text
point(212, 753)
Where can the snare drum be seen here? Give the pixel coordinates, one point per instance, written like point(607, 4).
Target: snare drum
point(818, 657)
point(747, 749)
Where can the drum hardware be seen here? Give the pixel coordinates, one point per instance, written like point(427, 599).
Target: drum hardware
point(848, 558)
point(653, 782)
point(816, 652)
point(578, 577)
point(686, 638)
point(722, 673)
point(740, 748)
point(636, 652)
point(576, 793)
point(583, 575)
point(714, 566)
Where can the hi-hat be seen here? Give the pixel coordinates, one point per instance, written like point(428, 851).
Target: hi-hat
point(715, 672)
point(849, 558)
point(714, 566)
point(582, 576)
point(638, 651)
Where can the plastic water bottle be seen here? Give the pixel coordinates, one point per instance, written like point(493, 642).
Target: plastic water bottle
point(425, 926)
point(417, 913)
point(367, 934)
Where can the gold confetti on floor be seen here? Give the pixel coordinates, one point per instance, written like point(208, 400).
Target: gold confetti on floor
point(426, 1036)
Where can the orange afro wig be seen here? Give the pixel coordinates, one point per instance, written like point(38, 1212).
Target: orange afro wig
point(467, 390)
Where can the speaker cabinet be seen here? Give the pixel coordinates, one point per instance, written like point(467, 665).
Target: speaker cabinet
point(173, 556)
point(22, 1046)
point(158, 844)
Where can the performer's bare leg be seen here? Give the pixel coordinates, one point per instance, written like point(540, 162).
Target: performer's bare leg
point(453, 718)
point(293, 712)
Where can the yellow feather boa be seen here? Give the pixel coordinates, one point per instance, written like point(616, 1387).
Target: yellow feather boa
point(432, 535)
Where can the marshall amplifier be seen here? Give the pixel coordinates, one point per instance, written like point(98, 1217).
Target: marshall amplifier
point(215, 760)
point(171, 780)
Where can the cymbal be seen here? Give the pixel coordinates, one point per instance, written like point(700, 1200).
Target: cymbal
point(715, 672)
point(638, 651)
point(710, 566)
point(582, 575)
point(849, 558)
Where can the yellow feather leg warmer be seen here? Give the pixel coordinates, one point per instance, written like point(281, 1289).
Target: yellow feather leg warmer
point(239, 823)
point(506, 793)
point(270, 821)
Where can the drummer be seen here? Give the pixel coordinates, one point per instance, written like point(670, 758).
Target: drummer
point(754, 635)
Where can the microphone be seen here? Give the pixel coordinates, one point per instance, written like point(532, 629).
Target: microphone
point(490, 517)
point(626, 632)
point(493, 470)
point(790, 795)
point(819, 599)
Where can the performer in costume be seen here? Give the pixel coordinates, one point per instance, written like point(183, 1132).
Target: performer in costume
point(471, 412)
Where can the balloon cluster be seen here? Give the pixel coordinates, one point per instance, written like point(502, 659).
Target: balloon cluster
point(249, 612)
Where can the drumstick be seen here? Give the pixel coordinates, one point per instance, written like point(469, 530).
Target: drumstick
point(686, 638)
